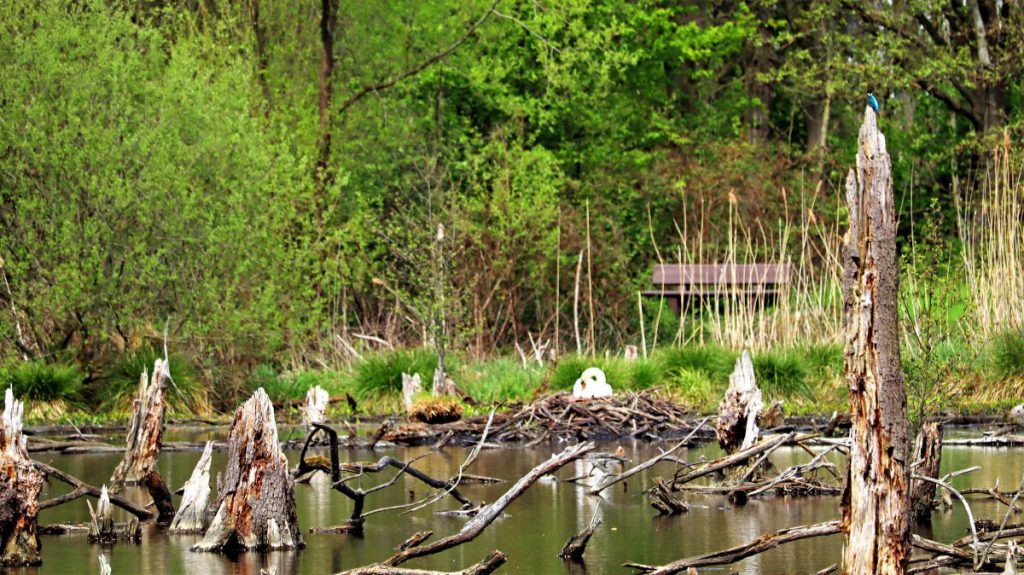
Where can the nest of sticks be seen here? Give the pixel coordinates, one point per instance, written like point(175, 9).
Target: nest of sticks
point(644, 414)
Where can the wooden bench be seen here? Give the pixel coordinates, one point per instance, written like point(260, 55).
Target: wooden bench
point(676, 281)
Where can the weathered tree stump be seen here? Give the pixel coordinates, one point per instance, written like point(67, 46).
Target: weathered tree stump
point(314, 410)
point(145, 430)
point(101, 523)
point(256, 500)
point(191, 515)
point(737, 422)
point(876, 498)
point(411, 386)
point(663, 500)
point(928, 451)
point(20, 483)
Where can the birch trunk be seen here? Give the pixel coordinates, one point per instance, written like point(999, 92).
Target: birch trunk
point(145, 430)
point(876, 497)
point(20, 483)
point(256, 501)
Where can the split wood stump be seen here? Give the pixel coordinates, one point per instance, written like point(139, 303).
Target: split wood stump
point(314, 409)
point(876, 498)
point(20, 484)
point(256, 500)
point(145, 430)
point(191, 515)
point(737, 421)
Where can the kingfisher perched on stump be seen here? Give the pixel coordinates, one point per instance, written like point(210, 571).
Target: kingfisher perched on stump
point(872, 102)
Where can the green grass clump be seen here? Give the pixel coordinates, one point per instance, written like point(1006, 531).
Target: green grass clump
point(279, 387)
point(783, 373)
point(41, 381)
point(1006, 353)
point(716, 363)
point(695, 389)
point(502, 379)
point(116, 387)
point(380, 375)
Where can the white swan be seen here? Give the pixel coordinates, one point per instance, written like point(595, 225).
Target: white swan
point(591, 384)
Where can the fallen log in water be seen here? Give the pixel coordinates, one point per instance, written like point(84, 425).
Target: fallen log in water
point(490, 563)
point(487, 514)
point(256, 501)
point(20, 484)
point(734, 554)
point(358, 495)
point(145, 429)
point(191, 515)
point(732, 459)
point(82, 489)
point(577, 544)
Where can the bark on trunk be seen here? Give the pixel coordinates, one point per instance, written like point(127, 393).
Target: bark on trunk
point(256, 501)
point(737, 422)
point(876, 498)
point(20, 483)
point(145, 430)
point(927, 450)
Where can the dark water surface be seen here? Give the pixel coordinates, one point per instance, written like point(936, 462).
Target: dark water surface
point(531, 533)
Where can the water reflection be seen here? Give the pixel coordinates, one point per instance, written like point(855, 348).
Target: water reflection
point(531, 533)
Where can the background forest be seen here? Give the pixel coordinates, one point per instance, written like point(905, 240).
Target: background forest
point(299, 191)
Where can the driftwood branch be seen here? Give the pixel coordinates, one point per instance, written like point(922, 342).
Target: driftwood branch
point(577, 544)
point(733, 459)
point(610, 480)
point(82, 489)
point(489, 513)
point(734, 554)
point(490, 564)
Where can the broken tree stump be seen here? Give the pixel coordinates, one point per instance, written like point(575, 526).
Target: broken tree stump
point(191, 515)
point(577, 544)
point(145, 429)
point(876, 498)
point(20, 483)
point(256, 500)
point(314, 409)
point(411, 387)
point(927, 451)
point(101, 523)
point(663, 500)
point(737, 421)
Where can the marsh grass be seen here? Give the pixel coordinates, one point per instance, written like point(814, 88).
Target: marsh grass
point(380, 375)
point(115, 389)
point(502, 380)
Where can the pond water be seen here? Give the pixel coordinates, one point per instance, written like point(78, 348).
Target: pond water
point(530, 534)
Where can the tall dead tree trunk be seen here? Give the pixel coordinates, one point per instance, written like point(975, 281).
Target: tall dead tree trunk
point(876, 497)
point(145, 430)
point(927, 451)
point(256, 500)
point(20, 483)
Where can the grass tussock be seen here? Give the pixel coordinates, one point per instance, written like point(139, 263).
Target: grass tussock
point(380, 375)
point(116, 387)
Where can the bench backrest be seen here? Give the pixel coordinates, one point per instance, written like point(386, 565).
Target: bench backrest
point(768, 275)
